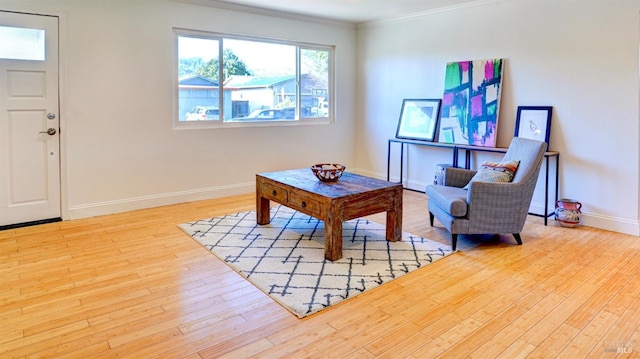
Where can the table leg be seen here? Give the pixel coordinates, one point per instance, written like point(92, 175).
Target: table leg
point(263, 214)
point(394, 219)
point(333, 236)
point(546, 190)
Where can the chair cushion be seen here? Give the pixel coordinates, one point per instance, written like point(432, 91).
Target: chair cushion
point(451, 199)
point(495, 172)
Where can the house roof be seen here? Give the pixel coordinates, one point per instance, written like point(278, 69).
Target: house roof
point(257, 82)
point(236, 82)
point(197, 80)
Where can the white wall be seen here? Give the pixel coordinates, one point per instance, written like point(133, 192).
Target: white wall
point(120, 151)
point(579, 57)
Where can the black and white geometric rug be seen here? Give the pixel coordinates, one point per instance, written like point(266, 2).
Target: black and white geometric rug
point(285, 258)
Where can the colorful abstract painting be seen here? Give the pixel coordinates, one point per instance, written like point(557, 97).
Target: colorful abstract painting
point(471, 102)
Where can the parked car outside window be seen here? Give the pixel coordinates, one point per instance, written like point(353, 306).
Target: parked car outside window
point(288, 113)
point(203, 113)
point(268, 114)
point(324, 109)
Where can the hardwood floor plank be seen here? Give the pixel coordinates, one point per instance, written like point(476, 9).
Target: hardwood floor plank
point(511, 333)
point(261, 322)
point(519, 349)
point(559, 315)
point(297, 336)
point(391, 334)
point(82, 348)
point(191, 344)
point(438, 346)
point(486, 331)
point(134, 285)
point(28, 345)
point(555, 342)
point(597, 301)
point(589, 340)
point(405, 348)
point(246, 351)
point(627, 327)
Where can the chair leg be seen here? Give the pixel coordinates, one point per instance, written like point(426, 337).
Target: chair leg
point(454, 241)
point(431, 218)
point(517, 237)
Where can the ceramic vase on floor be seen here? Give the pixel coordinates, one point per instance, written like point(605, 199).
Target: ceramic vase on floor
point(568, 212)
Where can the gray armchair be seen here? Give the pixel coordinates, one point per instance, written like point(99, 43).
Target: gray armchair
point(485, 207)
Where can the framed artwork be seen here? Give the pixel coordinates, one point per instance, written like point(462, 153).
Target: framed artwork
point(418, 119)
point(471, 102)
point(534, 122)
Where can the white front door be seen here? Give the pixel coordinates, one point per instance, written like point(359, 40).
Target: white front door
point(29, 121)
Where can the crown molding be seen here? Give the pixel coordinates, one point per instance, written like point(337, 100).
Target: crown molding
point(267, 12)
point(421, 14)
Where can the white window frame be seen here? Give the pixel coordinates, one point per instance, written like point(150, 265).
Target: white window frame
point(329, 119)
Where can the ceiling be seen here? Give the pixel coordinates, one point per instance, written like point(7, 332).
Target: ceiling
point(352, 11)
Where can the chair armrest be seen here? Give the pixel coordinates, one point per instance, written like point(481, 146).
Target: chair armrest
point(457, 177)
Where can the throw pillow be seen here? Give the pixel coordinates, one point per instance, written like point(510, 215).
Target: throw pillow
point(495, 172)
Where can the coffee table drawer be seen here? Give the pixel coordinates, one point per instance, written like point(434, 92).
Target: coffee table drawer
point(279, 194)
point(304, 204)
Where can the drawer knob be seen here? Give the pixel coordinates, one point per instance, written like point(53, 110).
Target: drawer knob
point(304, 204)
point(274, 192)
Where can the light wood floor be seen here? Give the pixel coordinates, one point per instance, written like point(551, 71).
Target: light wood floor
point(133, 285)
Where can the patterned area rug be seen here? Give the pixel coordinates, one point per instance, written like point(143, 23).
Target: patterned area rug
point(285, 258)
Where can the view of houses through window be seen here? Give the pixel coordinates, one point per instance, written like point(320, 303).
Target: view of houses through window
point(257, 81)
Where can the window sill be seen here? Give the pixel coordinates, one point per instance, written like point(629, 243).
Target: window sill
point(200, 125)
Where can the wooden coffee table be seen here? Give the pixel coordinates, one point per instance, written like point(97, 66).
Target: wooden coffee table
point(350, 197)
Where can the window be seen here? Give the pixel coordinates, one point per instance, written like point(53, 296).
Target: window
point(259, 81)
point(21, 43)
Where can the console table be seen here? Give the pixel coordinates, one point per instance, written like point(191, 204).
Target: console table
point(468, 149)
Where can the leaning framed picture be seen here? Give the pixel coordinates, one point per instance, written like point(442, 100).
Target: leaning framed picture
point(419, 119)
point(534, 122)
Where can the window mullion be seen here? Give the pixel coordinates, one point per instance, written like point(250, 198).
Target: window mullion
point(221, 106)
point(298, 86)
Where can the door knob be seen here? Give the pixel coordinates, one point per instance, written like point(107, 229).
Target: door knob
point(51, 131)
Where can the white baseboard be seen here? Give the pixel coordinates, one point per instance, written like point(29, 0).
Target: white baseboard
point(163, 199)
point(409, 184)
point(613, 224)
point(370, 174)
point(608, 223)
point(620, 225)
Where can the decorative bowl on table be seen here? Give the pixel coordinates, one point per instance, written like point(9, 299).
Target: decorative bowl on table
point(328, 172)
